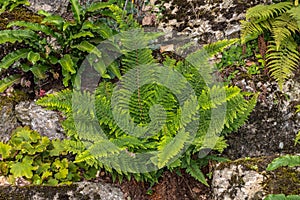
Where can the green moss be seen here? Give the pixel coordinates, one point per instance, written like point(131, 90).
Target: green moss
point(21, 14)
point(284, 180)
point(16, 97)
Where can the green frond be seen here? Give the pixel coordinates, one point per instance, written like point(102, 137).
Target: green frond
point(251, 30)
point(283, 27)
point(8, 81)
point(217, 47)
point(82, 34)
point(198, 62)
point(287, 160)
point(77, 10)
point(282, 61)
point(295, 13)
point(61, 101)
point(170, 147)
point(13, 36)
point(124, 20)
point(194, 170)
point(55, 20)
point(67, 63)
point(12, 57)
point(265, 12)
point(32, 26)
point(98, 6)
point(241, 115)
point(86, 46)
point(137, 58)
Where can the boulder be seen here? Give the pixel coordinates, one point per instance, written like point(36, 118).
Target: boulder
point(53, 6)
point(8, 120)
point(247, 178)
point(76, 191)
point(46, 122)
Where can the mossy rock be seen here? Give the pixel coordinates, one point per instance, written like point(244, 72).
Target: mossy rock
point(247, 177)
point(82, 190)
point(9, 121)
point(21, 14)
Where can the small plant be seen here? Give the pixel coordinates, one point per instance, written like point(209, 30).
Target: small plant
point(282, 21)
point(282, 197)
point(11, 4)
point(236, 55)
point(41, 161)
point(58, 46)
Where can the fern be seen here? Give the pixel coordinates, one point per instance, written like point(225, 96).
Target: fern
point(219, 46)
point(154, 113)
point(283, 28)
point(282, 21)
point(265, 12)
point(58, 101)
point(284, 61)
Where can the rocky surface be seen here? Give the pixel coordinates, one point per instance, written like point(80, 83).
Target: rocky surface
point(77, 191)
point(247, 178)
point(27, 113)
point(234, 183)
point(272, 126)
point(46, 122)
point(205, 21)
point(8, 120)
point(52, 6)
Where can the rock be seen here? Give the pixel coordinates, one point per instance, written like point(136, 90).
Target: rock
point(247, 178)
point(207, 21)
point(272, 125)
point(46, 122)
point(8, 119)
point(236, 183)
point(76, 191)
point(52, 6)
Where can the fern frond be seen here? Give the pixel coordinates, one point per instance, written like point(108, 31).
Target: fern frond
point(241, 115)
point(199, 61)
point(283, 61)
point(8, 81)
point(12, 57)
point(98, 6)
point(76, 8)
point(286, 160)
point(61, 101)
point(194, 170)
point(85, 46)
point(283, 27)
point(265, 12)
point(251, 30)
point(295, 13)
point(32, 26)
point(122, 18)
point(13, 36)
point(170, 147)
point(217, 47)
